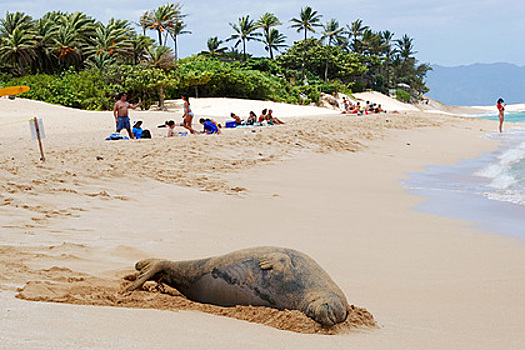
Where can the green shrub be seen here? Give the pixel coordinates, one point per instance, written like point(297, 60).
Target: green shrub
point(403, 96)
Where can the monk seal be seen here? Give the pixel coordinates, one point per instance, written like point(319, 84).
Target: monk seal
point(264, 276)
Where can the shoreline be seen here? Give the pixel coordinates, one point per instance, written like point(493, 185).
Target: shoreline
point(431, 282)
point(455, 191)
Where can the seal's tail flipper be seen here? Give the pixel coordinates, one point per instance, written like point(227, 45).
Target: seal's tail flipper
point(148, 269)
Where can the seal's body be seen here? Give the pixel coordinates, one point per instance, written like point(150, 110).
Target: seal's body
point(263, 276)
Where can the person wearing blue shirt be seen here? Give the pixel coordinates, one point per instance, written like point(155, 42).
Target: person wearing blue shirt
point(137, 130)
point(209, 126)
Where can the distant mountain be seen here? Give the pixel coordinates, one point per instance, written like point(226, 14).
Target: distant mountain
point(477, 84)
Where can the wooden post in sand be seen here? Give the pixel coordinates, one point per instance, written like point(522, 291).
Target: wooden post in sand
point(42, 158)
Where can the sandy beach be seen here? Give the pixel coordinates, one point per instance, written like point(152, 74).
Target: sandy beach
point(326, 184)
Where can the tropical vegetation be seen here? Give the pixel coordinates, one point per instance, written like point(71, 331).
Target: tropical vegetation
point(74, 60)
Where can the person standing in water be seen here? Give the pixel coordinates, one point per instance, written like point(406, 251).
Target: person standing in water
point(501, 110)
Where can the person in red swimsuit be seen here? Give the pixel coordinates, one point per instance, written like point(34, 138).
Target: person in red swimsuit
point(501, 110)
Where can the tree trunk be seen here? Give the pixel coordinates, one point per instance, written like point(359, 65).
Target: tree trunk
point(326, 66)
point(304, 56)
point(161, 99)
point(244, 49)
point(160, 37)
point(176, 48)
point(271, 52)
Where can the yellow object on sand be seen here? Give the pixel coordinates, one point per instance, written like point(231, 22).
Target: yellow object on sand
point(14, 90)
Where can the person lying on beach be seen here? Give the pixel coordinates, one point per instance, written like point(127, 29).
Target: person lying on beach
point(238, 119)
point(188, 115)
point(273, 120)
point(252, 119)
point(121, 114)
point(209, 127)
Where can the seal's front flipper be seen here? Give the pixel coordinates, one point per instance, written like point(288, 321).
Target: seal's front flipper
point(277, 262)
point(148, 270)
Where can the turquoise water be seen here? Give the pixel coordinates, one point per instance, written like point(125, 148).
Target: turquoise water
point(489, 190)
point(512, 117)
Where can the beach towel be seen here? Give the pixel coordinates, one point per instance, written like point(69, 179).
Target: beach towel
point(116, 136)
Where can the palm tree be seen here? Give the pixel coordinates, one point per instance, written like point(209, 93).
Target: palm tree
point(113, 39)
point(274, 40)
point(161, 58)
point(139, 48)
point(12, 21)
point(214, 47)
point(387, 37)
point(334, 34)
point(244, 31)
point(355, 31)
point(101, 61)
point(18, 47)
point(308, 19)
point(176, 30)
point(405, 50)
point(69, 47)
point(162, 18)
point(267, 21)
point(45, 33)
point(371, 43)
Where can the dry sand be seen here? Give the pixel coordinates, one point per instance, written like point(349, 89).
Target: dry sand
point(325, 184)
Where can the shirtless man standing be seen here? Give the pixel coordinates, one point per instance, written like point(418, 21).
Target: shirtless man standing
point(120, 112)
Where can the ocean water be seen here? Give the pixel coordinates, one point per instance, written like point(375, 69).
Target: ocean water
point(489, 190)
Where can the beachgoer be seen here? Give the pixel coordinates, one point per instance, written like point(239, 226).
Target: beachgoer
point(120, 112)
point(188, 115)
point(252, 119)
point(238, 119)
point(273, 120)
point(501, 110)
point(171, 128)
point(262, 117)
point(345, 105)
point(209, 126)
point(137, 130)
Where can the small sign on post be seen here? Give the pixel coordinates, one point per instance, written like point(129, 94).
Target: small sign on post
point(37, 133)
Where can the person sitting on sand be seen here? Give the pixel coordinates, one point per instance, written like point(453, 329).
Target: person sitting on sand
point(238, 119)
point(501, 112)
point(209, 127)
point(121, 114)
point(188, 115)
point(357, 109)
point(252, 119)
point(273, 120)
point(137, 130)
point(171, 128)
point(262, 117)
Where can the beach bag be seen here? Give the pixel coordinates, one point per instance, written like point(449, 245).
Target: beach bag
point(146, 134)
point(231, 124)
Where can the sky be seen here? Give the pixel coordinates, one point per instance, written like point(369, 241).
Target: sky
point(445, 32)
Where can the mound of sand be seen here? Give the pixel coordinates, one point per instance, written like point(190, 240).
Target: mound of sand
point(81, 289)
